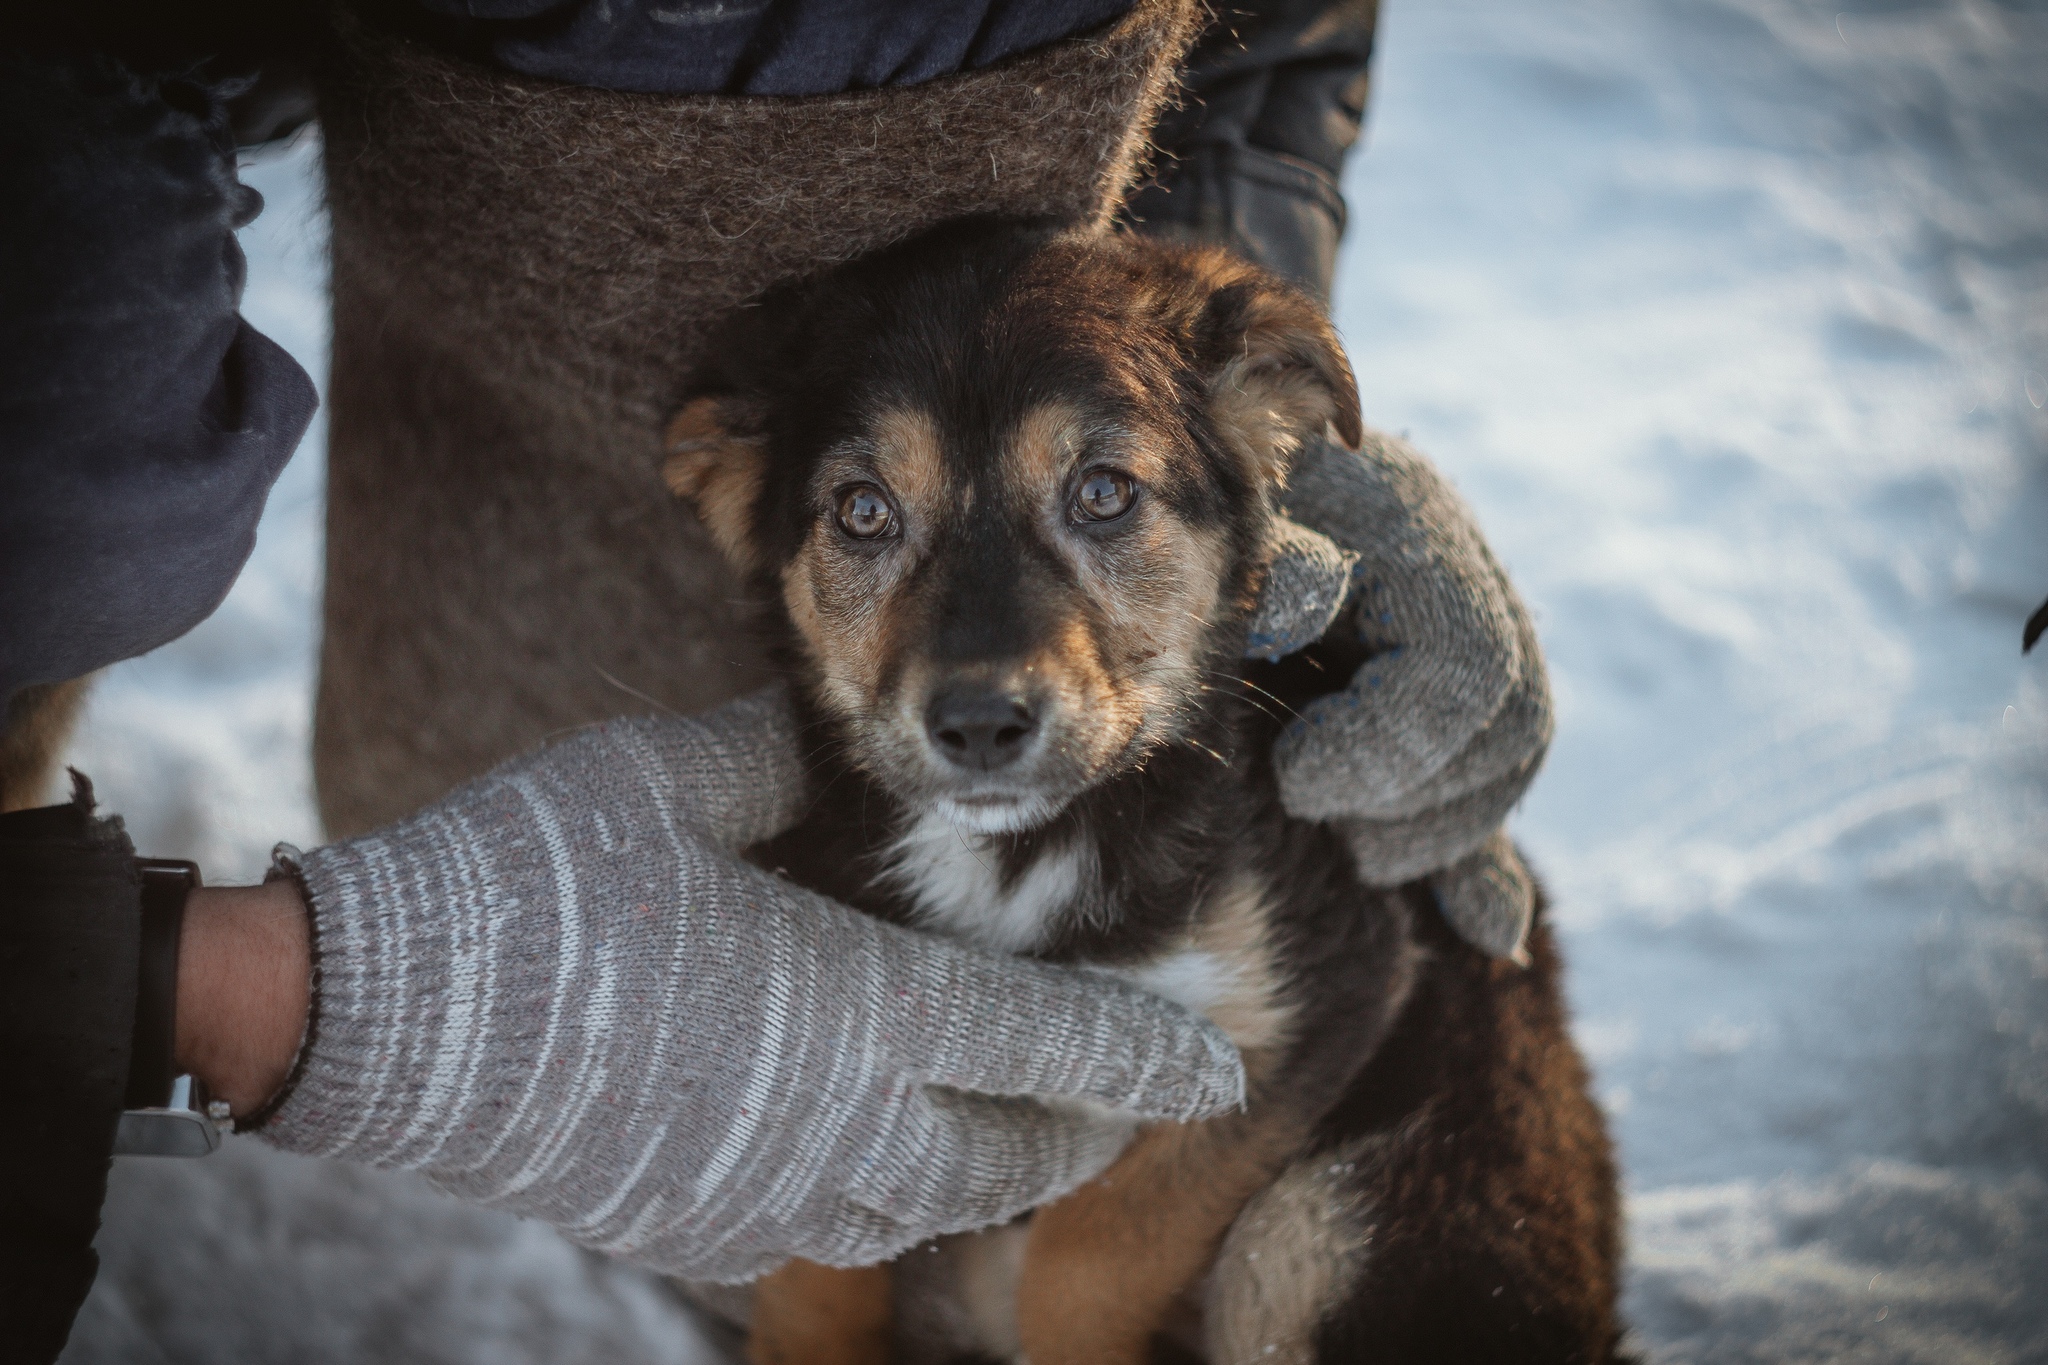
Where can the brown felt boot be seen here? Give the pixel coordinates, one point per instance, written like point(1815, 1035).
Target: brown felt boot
point(523, 275)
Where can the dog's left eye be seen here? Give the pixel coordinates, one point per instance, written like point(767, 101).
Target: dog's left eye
point(864, 513)
point(1104, 495)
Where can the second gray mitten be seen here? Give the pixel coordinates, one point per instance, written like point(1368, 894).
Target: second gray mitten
point(1438, 734)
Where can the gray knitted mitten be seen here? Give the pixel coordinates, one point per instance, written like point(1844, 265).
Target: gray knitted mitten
point(1420, 759)
point(560, 992)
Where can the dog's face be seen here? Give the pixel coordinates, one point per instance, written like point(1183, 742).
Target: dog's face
point(1011, 487)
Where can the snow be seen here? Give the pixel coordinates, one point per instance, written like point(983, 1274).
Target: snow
point(1731, 319)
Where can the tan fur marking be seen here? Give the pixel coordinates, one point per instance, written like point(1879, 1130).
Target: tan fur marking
point(1041, 452)
point(1051, 442)
point(1160, 582)
point(809, 1314)
point(39, 721)
point(1158, 591)
point(1093, 714)
point(1233, 930)
point(718, 472)
point(1105, 1265)
point(911, 460)
point(843, 639)
point(1297, 1249)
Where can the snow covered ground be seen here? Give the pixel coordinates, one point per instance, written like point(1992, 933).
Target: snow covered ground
point(1731, 317)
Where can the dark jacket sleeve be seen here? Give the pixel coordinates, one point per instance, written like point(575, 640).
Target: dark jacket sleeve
point(142, 421)
point(69, 938)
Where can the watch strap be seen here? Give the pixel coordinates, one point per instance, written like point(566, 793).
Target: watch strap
point(152, 1065)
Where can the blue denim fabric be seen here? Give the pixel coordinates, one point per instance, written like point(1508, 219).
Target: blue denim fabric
point(142, 422)
point(760, 47)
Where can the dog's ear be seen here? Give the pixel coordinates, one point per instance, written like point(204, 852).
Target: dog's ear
point(716, 448)
point(1278, 376)
point(717, 454)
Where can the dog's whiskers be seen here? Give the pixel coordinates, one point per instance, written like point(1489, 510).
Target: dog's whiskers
point(1228, 695)
point(1247, 682)
point(811, 768)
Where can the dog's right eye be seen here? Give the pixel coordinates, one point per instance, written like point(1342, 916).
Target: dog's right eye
point(864, 513)
point(1104, 495)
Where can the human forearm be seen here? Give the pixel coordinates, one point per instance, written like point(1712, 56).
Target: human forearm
point(244, 989)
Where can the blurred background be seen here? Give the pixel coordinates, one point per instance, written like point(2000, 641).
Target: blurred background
point(1731, 319)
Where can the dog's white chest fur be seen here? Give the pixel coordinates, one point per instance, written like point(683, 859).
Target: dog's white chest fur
point(957, 886)
point(1221, 967)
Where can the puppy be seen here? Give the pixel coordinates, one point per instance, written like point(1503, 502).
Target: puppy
point(1004, 491)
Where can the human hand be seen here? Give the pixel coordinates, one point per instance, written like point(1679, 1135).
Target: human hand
point(1421, 757)
point(560, 991)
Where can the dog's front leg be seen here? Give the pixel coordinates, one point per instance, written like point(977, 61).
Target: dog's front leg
point(810, 1314)
point(1104, 1265)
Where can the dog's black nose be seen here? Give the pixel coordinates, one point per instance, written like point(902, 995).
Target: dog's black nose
point(980, 727)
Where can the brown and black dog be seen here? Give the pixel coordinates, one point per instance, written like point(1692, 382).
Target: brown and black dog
point(1004, 491)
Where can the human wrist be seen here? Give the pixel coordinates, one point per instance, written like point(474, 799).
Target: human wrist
point(244, 989)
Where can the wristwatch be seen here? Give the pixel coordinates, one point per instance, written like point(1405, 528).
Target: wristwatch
point(166, 1114)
